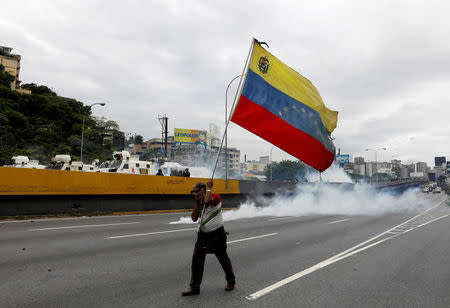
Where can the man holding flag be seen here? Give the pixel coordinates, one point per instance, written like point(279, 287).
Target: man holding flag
point(211, 237)
point(281, 106)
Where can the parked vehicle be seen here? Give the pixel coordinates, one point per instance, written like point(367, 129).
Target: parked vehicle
point(123, 162)
point(25, 162)
point(64, 162)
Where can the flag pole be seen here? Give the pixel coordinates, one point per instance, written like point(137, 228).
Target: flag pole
point(233, 107)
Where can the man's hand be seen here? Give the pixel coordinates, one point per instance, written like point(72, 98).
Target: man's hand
point(209, 184)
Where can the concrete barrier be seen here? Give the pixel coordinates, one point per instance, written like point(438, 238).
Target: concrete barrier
point(41, 192)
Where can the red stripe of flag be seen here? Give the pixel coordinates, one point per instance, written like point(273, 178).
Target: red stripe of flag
point(268, 126)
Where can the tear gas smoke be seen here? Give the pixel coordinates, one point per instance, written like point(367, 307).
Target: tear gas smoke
point(333, 174)
point(328, 199)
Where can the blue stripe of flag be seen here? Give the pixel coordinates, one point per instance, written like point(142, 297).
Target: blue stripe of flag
point(297, 114)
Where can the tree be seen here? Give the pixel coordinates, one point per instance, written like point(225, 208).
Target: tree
point(398, 171)
point(139, 139)
point(441, 180)
point(288, 170)
point(356, 177)
point(43, 124)
point(152, 153)
point(35, 89)
point(380, 177)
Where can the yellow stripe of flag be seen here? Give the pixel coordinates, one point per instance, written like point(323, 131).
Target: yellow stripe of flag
point(291, 83)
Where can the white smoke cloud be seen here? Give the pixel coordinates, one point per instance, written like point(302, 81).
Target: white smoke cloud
point(328, 199)
point(333, 174)
point(322, 199)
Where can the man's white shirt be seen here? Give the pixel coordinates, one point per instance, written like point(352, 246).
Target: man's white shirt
point(214, 223)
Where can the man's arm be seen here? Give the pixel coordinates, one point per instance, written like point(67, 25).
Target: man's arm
point(208, 194)
point(196, 209)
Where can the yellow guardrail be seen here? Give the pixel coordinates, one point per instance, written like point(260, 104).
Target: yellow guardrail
point(22, 181)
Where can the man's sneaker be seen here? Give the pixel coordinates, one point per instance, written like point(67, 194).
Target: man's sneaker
point(229, 287)
point(190, 292)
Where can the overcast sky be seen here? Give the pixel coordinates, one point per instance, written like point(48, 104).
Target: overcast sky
point(384, 65)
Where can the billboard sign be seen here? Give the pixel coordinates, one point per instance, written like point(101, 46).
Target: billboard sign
point(191, 136)
point(343, 158)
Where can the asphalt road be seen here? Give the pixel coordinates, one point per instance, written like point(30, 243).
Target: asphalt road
point(395, 260)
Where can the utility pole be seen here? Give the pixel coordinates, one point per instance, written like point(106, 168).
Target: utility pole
point(163, 120)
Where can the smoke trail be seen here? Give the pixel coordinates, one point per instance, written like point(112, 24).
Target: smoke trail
point(333, 174)
point(322, 199)
point(328, 199)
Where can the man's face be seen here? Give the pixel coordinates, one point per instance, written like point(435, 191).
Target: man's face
point(200, 194)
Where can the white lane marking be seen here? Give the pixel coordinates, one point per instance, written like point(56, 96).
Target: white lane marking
point(392, 232)
point(345, 254)
point(85, 226)
point(151, 233)
point(35, 220)
point(334, 222)
point(281, 218)
point(251, 238)
point(385, 232)
point(426, 223)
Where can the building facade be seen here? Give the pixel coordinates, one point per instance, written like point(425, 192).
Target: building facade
point(421, 167)
point(11, 62)
point(359, 169)
point(359, 160)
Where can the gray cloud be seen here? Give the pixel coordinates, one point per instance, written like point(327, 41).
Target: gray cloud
point(383, 65)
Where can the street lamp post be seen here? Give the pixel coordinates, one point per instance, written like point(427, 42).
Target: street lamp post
point(82, 130)
point(226, 134)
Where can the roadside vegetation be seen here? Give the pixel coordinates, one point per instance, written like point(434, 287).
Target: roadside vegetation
point(288, 170)
point(43, 124)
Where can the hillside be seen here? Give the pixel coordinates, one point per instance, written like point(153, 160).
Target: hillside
point(43, 124)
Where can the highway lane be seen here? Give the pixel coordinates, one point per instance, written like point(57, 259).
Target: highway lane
point(88, 261)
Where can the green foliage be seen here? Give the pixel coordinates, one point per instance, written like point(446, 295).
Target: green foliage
point(380, 176)
point(398, 171)
point(441, 180)
point(139, 139)
point(153, 153)
point(288, 170)
point(43, 124)
point(447, 191)
point(356, 177)
point(35, 89)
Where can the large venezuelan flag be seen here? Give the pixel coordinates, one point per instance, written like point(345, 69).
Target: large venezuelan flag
point(284, 108)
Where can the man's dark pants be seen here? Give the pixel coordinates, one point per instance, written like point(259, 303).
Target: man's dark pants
point(211, 242)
